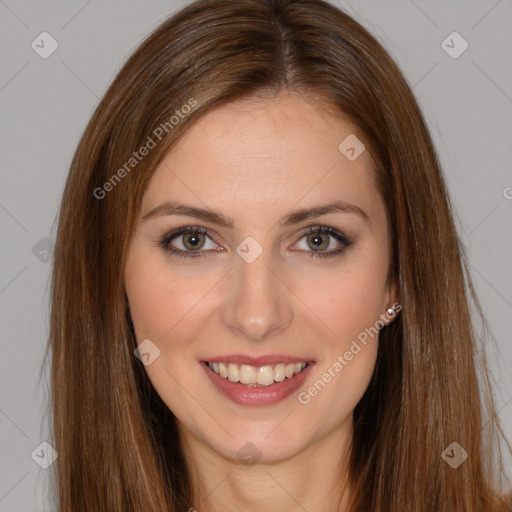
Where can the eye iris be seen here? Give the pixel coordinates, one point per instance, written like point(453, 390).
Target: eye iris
point(193, 239)
point(316, 239)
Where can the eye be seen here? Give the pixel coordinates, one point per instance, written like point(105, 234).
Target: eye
point(189, 241)
point(321, 238)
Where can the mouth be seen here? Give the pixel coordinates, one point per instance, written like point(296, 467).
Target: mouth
point(256, 376)
point(257, 384)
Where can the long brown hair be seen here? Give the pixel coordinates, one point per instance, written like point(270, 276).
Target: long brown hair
point(117, 442)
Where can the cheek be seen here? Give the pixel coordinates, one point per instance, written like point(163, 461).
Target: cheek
point(350, 305)
point(163, 308)
point(160, 300)
point(350, 300)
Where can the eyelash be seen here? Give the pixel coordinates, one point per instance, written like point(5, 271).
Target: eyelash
point(340, 237)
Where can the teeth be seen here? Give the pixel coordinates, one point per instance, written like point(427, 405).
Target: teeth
point(223, 370)
point(233, 372)
point(247, 374)
point(257, 376)
point(279, 372)
point(265, 376)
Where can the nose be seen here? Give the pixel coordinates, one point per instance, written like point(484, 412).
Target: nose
point(258, 305)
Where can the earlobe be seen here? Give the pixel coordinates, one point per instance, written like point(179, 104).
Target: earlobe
point(393, 304)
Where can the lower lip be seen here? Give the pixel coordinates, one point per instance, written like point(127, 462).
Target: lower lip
point(267, 395)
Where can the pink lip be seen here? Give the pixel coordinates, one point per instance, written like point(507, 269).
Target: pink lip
point(245, 395)
point(267, 360)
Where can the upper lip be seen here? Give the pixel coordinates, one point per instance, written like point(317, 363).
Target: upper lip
point(264, 360)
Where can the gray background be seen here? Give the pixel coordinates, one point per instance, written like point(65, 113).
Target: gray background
point(45, 104)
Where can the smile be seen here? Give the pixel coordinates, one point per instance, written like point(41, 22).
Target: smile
point(257, 376)
point(259, 384)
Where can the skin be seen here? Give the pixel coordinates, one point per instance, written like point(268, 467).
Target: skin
point(256, 160)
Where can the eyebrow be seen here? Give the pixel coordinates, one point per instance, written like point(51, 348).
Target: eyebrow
point(295, 217)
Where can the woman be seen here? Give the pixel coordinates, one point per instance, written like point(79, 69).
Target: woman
point(258, 296)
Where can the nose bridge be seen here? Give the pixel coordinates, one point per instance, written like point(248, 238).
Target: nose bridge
point(259, 304)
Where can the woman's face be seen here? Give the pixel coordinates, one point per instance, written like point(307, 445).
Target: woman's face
point(260, 286)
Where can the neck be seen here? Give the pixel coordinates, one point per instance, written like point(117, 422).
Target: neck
point(312, 479)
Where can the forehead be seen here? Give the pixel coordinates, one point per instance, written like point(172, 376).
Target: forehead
point(261, 155)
